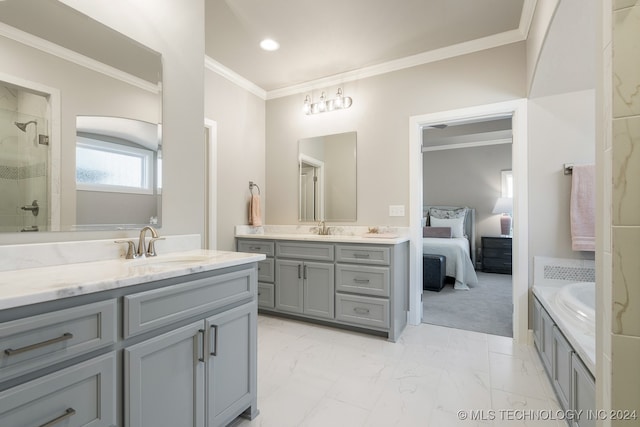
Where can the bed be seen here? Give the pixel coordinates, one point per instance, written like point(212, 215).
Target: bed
point(459, 249)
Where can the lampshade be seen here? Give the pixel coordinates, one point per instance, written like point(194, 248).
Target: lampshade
point(503, 205)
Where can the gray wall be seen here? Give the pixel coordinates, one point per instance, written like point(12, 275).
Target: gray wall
point(240, 118)
point(467, 177)
point(380, 114)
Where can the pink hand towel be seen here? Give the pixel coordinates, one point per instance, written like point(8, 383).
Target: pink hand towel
point(583, 208)
point(255, 218)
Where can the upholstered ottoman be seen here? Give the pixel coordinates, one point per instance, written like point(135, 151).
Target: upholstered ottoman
point(433, 272)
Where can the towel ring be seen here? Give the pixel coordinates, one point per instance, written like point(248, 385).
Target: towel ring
point(251, 185)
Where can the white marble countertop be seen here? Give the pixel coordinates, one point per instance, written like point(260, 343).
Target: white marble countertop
point(581, 337)
point(386, 238)
point(41, 284)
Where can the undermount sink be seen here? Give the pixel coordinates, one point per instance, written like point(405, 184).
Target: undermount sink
point(171, 259)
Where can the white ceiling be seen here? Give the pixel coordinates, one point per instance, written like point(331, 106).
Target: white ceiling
point(326, 38)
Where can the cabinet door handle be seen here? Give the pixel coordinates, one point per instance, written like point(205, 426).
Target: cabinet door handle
point(361, 310)
point(214, 329)
point(357, 255)
point(200, 345)
point(67, 414)
point(305, 273)
point(64, 337)
point(299, 271)
point(358, 280)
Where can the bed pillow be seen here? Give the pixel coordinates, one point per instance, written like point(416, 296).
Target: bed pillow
point(441, 232)
point(447, 213)
point(456, 225)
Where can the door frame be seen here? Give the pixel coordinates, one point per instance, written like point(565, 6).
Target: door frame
point(211, 184)
point(517, 109)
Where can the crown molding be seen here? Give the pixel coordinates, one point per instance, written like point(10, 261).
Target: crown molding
point(526, 18)
point(459, 49)
point(76, 58)
point(233, 77)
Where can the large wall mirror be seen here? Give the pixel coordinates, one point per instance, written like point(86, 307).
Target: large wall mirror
point(80, 122)
point(327, 178)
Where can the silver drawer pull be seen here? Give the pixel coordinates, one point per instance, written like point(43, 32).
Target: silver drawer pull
point(357, 280)
point(11, 352)
point(255, 248)
point(67, 414)
point(361, 255)
point(361, 310)
point(214, 329)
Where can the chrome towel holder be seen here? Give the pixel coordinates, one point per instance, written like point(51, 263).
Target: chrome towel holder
point(251, 185)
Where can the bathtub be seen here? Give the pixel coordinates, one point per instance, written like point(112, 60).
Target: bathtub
point(578, 302)
point(571, 305)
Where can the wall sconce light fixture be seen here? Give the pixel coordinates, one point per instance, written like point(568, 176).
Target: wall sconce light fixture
point(324, 105)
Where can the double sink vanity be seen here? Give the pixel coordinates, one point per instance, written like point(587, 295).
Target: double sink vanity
point(351, 279)
point(83, 340)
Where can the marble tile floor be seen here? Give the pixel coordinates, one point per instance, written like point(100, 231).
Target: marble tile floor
point(310, 375)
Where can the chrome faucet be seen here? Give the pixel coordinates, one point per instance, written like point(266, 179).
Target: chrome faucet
point(323, 230)
point(150, 250)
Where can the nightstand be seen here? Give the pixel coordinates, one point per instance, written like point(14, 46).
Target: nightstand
point(496, 255)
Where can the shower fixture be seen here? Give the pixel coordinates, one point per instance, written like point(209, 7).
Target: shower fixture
point(23, 126)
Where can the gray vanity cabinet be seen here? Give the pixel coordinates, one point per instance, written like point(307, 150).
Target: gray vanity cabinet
point(81, 395)
point(583, 393)
point(204, 369)
point(179, 351)
point(561, 369)
point(201, 374)
point(305, 287)
point(164, 379)
point(360, 285)
point(231, 364)
point(266, 269)
point(543, 335)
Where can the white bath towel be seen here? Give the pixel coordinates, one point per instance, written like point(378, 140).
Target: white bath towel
point(583, 208)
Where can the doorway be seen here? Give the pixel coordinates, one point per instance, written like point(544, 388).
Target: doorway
point(464, 165)
point(520, 272)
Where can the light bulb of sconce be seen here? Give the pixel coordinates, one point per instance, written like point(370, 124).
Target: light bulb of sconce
point(322, 105)
point(337, 103)
point(306, 108)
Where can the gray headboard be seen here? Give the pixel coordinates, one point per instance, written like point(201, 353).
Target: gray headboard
point(469, 226)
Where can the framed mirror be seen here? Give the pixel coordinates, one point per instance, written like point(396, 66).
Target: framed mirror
point(54, 77)
point(327, 188)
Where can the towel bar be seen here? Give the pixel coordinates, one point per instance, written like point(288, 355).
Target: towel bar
point(251, 185)
point(568, 168)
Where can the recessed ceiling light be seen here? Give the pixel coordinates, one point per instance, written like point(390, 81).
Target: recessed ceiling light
point(269, 44)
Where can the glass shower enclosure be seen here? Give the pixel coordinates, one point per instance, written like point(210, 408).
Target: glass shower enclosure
point(24, 160)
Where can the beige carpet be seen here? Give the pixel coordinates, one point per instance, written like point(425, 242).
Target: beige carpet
point(486, 307)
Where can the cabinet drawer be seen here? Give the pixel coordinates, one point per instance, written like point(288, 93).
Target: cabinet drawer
point(363, 279)
point(146, 311)
point(256, 246)
point(265, 270)
point(366, 311)
point(38, 341)
point(501, 253)
point(363, 254)
point(310, 251)
point(496, 242)
point(496, 263)
point(81, 395)
point(266, 297)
